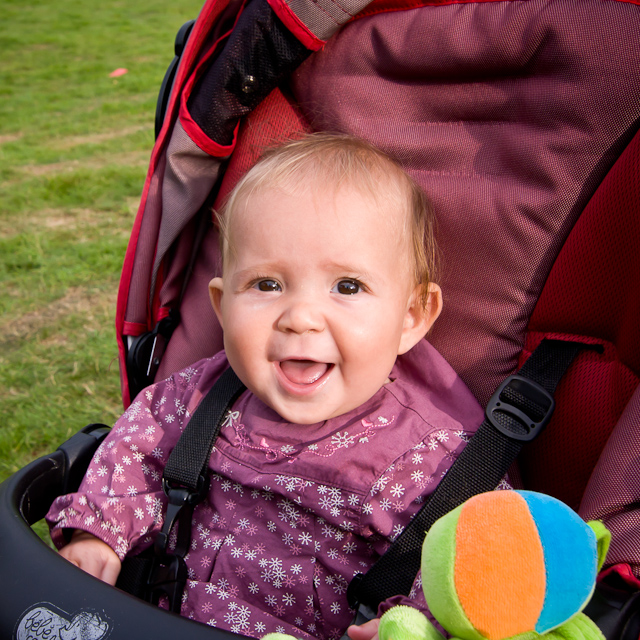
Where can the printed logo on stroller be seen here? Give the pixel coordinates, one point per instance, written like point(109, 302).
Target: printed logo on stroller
point(44, 621)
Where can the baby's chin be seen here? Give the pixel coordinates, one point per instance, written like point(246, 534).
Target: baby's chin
point(321, 404)
point(313, 413)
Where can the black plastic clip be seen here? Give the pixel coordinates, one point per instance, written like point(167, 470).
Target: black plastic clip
point(537, 400)
point(169, 576)
point(363, 613)
point(179, 497)
point(145, 352)
point(160, 336)
point(353, 590)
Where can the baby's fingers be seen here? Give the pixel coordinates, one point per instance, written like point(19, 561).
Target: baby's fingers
point(366, 631)
point(93, 556)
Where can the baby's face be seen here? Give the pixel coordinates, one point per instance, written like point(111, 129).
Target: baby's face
point(316, 300)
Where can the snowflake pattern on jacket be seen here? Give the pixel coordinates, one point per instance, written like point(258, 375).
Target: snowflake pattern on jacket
point(293, 511)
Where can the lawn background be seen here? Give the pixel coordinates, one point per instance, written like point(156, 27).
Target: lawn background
point(74, 150)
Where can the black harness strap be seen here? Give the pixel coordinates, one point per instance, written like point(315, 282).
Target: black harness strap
point(185, 482)
point(517, 412)
point(187, 463)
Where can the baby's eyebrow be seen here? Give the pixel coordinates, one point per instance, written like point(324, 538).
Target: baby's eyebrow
point(263, 269)
point(351, 270)
point(242, 277)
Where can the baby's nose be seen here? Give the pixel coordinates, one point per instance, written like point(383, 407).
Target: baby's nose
point(301, 316)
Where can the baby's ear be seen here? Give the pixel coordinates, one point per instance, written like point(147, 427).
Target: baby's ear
point(215, 295)
point(420, 317)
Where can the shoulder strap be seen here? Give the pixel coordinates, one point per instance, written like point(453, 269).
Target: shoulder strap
point(185, 483)
point(187, 463)
point(517, 412)
point(185, 480)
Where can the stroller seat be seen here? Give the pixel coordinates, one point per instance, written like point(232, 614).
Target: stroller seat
point(520, 119)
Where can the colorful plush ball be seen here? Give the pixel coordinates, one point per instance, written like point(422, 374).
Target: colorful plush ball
point(506, 563)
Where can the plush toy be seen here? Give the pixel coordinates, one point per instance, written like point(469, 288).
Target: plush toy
point(505, 565)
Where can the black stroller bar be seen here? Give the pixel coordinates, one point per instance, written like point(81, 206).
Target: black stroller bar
point(43, 595)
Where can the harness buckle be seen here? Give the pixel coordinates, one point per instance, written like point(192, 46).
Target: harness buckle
point(168, 576)
point(525, 420)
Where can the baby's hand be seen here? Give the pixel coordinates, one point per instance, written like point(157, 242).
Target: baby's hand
point(93, 556)
point(366, 631)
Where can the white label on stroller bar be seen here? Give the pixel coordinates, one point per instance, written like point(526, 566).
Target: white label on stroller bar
point(41, 623)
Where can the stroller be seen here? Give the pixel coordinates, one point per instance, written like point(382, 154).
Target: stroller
point(520, 118)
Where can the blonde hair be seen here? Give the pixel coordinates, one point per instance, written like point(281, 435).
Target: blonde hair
point(337, 159)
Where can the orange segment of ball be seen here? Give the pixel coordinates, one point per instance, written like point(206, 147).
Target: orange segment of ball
point(499, 569)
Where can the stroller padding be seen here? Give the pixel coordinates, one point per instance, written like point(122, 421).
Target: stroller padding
point(510, 115)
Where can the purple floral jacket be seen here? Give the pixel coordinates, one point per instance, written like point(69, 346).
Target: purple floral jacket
point(294, 511)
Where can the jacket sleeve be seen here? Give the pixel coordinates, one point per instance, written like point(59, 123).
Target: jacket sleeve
point(120, 499)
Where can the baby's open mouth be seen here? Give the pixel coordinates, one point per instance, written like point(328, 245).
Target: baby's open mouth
point(304, 371)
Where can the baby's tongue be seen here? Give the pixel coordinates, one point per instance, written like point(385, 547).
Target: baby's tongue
point(303, 371)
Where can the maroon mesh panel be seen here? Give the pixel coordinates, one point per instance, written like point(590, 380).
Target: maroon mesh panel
point(594, 287)
point(593, 291)
point(613, 493)
point(589, 400)
point(273, 121)
point(509, 114)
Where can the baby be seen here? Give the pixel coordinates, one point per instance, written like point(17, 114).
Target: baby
point(350, 418)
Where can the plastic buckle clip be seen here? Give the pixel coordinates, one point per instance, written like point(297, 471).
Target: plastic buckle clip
point(160, 335)
point(535, 394)
point(178, 498)
point(169, 576)
point(363, 613)
point(352, 590)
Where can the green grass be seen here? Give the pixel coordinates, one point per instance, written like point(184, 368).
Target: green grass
point(74, 149)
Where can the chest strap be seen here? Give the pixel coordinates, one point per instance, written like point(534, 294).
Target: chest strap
point(517, 413)
point(185, 482)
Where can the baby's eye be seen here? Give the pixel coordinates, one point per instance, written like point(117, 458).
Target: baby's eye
point(267, 285)
point(347, 287)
